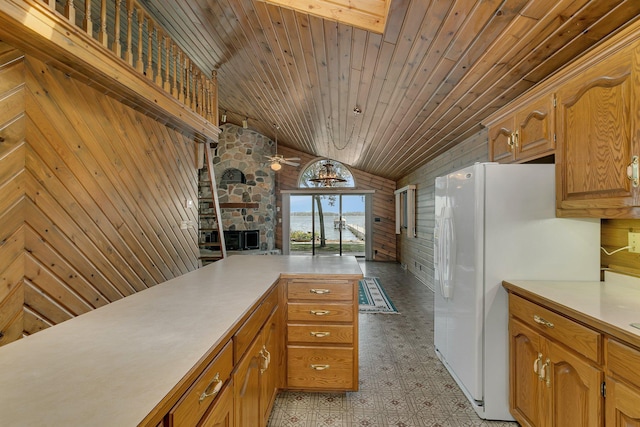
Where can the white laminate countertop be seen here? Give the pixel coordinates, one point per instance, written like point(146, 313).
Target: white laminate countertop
point(610, 306)
point(113, 365)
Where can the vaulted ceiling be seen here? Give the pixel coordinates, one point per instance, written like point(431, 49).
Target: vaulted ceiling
point(387, 102)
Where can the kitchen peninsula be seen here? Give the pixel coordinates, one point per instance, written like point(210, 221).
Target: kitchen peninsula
point(134, 361)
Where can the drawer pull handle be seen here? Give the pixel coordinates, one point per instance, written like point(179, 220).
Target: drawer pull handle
point(319, 367)
point(320, 312)
point(213, 388)
point(320, 291)
point(320, 334)
point(541, 321)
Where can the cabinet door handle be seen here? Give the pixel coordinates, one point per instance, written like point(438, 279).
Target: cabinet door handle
point(320, 334)
point(213, 388)
point(542, 321)
point(320, 291)
point(632, 171)
point(516, 138)
point(510, 141)
point(319, 312)
point(319, 367)
point(266, 359)
point(536, 364)
point(544, 373)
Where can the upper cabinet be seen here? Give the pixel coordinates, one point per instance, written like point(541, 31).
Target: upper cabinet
point(524, 134)
point(588, 116)
point(598, 120)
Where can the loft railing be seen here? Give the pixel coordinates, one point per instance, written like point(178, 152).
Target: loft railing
point(125, 29)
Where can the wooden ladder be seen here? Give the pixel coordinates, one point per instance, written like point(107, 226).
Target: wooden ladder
point(222, 252)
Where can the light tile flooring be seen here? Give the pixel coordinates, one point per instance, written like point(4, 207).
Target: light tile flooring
point(402, 382)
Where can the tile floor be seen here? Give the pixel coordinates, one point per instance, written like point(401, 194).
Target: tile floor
point(402, 382)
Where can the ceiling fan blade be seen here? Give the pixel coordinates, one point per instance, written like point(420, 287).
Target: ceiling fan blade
point(292, 158)
point(287, 162)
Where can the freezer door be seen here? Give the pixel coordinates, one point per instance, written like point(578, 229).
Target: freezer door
point(458, 310)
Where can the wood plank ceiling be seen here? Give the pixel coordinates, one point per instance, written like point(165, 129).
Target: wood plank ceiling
point(422, 85)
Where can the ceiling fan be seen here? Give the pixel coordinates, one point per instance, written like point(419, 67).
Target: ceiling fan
point(277, 160)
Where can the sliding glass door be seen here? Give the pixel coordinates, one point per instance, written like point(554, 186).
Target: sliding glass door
point(327, 224)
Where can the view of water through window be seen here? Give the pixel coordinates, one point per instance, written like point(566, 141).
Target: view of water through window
point(318, 227)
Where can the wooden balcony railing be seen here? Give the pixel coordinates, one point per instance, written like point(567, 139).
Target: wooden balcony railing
point(128, 32)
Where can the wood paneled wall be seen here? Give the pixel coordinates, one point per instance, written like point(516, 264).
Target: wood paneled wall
point(99, 192)
point(417, 253)
point(615, 235)
point(384, 237)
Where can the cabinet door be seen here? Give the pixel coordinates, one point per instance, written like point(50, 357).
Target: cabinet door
point(271, 367)
point(535, 127)
point(501, 147)
point(525, 362)
point(246, 381)
point(597, 121)
point(574, 388)
point(221, 415)
point(622, 405)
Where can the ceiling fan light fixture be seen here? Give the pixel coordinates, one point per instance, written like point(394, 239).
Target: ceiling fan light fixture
point(275, 166)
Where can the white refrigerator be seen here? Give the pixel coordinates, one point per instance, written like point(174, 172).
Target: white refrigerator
point(496, 222)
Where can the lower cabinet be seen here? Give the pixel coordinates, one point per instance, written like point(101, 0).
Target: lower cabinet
point(256, 378)
point(221, 414)
point(556, 378)
point(623, 385)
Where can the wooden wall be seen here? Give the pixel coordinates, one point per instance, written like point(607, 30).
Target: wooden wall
point(93, 194)
point(416, 254)
point(384, 237)
point(615, 235)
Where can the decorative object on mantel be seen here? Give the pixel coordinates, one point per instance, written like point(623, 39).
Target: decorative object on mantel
point(327, 176)
point(277, 160)
point(372, 298)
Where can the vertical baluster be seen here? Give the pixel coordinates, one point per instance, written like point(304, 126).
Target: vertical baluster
point(181, 81)
point(87, 24)
point(52, 5)
point(175, 72)
point(69, 11)
point(103, 36)
point(167, 65)
point(189, 77)
point(214, 98)
point(203, 99)
point(117, 47)
point(128, 56)
point(149, 70)
point(159, 38)
point(187, 81)
point(140, 61)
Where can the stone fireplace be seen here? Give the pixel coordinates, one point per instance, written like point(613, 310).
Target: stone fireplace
point(246, 188)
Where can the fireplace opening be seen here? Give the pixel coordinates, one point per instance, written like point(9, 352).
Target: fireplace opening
point(251, 239)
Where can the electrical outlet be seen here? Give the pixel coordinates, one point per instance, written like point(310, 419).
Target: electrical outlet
point(634, 243)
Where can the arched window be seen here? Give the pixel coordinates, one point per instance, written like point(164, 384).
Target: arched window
point(326, 173)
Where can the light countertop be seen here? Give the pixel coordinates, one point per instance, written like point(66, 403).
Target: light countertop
point(610, 306)
point(113, 365)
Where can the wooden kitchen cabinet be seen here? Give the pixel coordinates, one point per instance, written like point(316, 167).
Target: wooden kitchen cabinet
point(221, 414)
point(556, 376)
point(623, 385)
point(257, 374)
point(322, 330)
point(598, 124)
point(523, 133)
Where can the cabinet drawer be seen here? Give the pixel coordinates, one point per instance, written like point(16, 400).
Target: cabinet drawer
point(298, 311)
point(320, 368)
point(242, 339)
point(324, 290)
point(623, 361)
point(564, 330)
point(317, 334)
point(195, 402)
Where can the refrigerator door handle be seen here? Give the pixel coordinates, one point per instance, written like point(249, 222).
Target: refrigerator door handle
point(447, 255)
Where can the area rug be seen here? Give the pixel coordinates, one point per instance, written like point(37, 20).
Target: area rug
point(373, 298)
